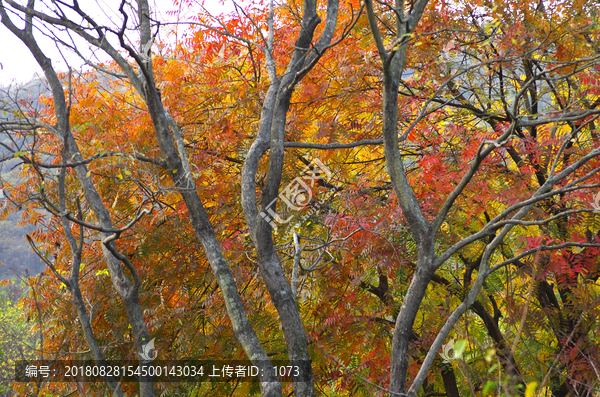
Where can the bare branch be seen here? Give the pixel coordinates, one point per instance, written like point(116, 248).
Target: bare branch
point(327, 146)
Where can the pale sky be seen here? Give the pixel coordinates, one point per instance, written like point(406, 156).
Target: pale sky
point(18, 65)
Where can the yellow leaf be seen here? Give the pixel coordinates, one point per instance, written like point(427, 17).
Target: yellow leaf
point(489, 355)
point(530, 389)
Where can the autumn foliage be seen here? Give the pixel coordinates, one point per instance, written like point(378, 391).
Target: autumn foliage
point(473, 72)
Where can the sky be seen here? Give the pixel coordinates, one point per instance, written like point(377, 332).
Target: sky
point(17, 65)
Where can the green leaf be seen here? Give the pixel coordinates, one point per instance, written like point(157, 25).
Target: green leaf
point(489, 387)
point(459, 348)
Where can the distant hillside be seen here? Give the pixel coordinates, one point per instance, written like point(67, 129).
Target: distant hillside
point(15, 94)
point(15, 253)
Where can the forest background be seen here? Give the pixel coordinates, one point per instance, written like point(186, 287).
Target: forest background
point(364, 185)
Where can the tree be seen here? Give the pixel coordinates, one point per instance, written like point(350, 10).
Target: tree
point(522, 112)
point(175, 161)
point(17, 343)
